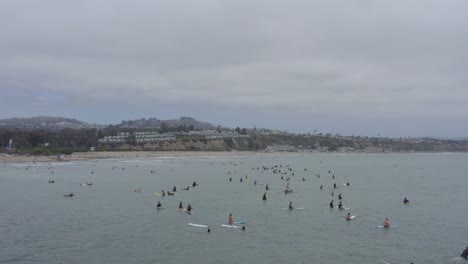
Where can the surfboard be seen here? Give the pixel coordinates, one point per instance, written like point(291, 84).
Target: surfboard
point(160, 208)
point(239, 222)
point(197, 225)
point(294, 208)
point(380, 226)
point(351, 218)
point(231, 226)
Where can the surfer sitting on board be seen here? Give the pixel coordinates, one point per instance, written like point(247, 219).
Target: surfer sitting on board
point(406, 200)
point(230, 221)
point(159, 204)
point(348, 217)
point(340, 206)
point(180, 206)
point(331, 204)
point(465, 253)
point(386, 223)
point(189, 208)
point(264, 197)
point(290, 206)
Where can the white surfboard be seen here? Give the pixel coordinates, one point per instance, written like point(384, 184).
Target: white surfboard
point(351, 217)
point(380, 226)
point(231, 226)
point(294, 208)
point(197, 225)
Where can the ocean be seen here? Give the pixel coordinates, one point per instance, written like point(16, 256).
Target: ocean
point(111, 223)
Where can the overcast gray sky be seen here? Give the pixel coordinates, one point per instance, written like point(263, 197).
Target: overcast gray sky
point(362, 67)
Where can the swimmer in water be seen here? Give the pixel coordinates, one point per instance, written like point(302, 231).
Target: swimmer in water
point(348, 217)
point(386, 223)
point(406, 200)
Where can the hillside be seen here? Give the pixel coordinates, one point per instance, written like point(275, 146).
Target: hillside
point(154, 123)
point(44, 122)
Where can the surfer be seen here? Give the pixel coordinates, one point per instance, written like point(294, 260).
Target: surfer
point(230, 221)
point(464, 254)
point(174, 189)
point(69, 195)
point(189, 208)
point(347, 184)
point(334, 186)
point(348, 217)
point(267, 188)
point(194, 184)
point(340, 206)
point(255, 182)
point(159, 205)
point(230, 179)
point(264, 197)
point(180, 206)
point(290, 206)
point(386, 223)
point(303, 179)
point(339, 197)
point(331, 204)
point(405, 201)
point(321, 187)
point(241, 179)
point(163, 193)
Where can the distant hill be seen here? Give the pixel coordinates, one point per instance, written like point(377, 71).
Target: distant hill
point(57, 123)
point(154, 123)
point(44, 122)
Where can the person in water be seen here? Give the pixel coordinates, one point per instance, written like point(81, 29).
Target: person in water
point(163, 193)
point(174, 189)
point(264, 197)
point(340, 206)
point(230, 221)
point(348, 216)
point(230, 179)
point(159, 205)
point(321, 187)
point(186, 189)
point(290, 206)
point(331, 204)
point(194, 184)
point(189, 208)
point(339, 197)
point(406, 200)
point(267, 188)
point(347, 184)
point(180, 206)
point(240, 179)
point(334, 186)
point(464, 254)
point(386, 223)
point(255, 182)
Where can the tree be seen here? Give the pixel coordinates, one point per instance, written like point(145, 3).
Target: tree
point(164, 127)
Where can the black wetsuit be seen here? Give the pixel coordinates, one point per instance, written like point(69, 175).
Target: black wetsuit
point(465, 253)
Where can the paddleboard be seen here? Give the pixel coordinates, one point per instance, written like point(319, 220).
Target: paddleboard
point(294, 208)
point(160, 208)
point(158, 194)
point(197, 225)
point(239, 222)
point(231, 226)
point(379, 226)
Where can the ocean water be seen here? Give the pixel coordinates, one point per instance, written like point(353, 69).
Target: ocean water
point(110, 223)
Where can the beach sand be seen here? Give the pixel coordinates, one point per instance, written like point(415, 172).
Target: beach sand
point(6, 158)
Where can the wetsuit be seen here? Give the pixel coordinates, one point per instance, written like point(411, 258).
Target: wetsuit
point(465, 253)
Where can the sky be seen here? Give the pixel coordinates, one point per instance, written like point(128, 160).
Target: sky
point(353, 67)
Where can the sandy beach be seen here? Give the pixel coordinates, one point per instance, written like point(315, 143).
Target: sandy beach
point(6, 158)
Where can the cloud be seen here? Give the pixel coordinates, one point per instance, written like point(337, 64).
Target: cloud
point(353, 59)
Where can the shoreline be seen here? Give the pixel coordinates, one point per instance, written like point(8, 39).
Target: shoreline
point(85, 156)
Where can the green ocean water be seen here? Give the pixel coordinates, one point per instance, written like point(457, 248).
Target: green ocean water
point(110, 223)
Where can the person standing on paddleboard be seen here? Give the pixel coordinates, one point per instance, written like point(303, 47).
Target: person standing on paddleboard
point(230, 221)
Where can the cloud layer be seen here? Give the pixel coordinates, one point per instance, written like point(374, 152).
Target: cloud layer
point(340, 66)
